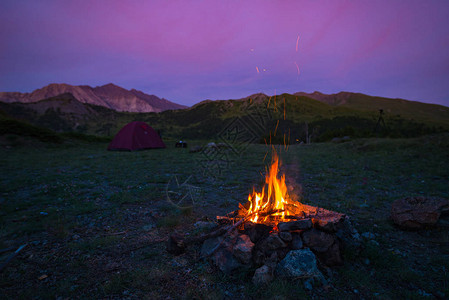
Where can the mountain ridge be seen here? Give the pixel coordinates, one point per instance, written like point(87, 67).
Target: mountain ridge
point(109, 95)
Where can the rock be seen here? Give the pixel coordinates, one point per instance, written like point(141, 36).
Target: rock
point(418, 212)
point(209, 245)
point(329, 222)
point(332, 257)
point(337, 140)
point(203, 225)
point(349, 236)
point(296, 243)
point(285, 236)
point(295, 225)
point(263, 275)
point(317, 240)
point(243, 249)
point(175, 244)
point(298, 264)
point(257, 232)
point(195, 149)
point(308, 284)
point(224, 259)
point(273, 241)
point(368, 235)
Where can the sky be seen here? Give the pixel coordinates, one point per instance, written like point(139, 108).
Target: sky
point(189, 51)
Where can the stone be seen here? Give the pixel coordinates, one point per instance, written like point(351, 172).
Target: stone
point(195, 149)
point(296, 242)
point(209, 245)
point(295, 225)
point(256, 232)
point(418, 212)
point(243, 249)
point(330, 222)
point(285, 236)
point(368, 235)
point(263, 275)
point(224, 259)
point(332, 257)
point(259, 257)
point(298, 264)
point(337, 140)
point(317, 240)
point(175, 244)
point(273, 241)
point(205, 226)
point(349, 236)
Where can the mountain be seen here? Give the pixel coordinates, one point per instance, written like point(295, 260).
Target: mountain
point(109, 95)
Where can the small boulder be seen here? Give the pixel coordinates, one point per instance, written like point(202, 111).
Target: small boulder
point(273, 242)
point(317, 240)
point(298, 264)
point(243, 248)
point(285, 236)
point(224, 259)
point(296, 243)
point(195, 149)
point(332, 257)
point(418, 212)
point(295, 225)
point(263, 275)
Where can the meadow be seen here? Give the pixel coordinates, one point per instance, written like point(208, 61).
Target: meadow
point(95, 222)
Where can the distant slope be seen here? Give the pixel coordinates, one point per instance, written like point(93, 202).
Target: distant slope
point(109, 95)
point(264, 118)
point(432, 113)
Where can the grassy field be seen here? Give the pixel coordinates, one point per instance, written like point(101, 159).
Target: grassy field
point(95, 222)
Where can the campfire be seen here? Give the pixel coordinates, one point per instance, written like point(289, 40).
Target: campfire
point(273, 204)
point(274, 234)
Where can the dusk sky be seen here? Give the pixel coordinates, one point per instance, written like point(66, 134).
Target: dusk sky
point(189, 51)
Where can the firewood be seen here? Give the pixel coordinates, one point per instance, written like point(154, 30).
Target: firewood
point(176, 243)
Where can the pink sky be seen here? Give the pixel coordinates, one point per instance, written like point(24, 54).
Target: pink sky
point(188, 51)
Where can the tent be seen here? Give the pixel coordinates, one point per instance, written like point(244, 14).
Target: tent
point(136, 136)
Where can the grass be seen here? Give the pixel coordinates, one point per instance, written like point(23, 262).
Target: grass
point(96, 221)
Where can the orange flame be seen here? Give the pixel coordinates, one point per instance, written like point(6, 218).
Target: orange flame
point(273, 203)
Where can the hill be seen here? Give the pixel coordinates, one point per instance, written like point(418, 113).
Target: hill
point(431, 113)
point(109, 95)
point(257, 118)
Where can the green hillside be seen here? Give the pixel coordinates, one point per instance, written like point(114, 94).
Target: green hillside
point(279, 118)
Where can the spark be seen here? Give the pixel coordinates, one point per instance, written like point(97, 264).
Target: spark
point(265, 156)
point(276, 129)
point(257, 70)
point(297, 41)
point(297, 68)
point(284, 108)
point(275, 100)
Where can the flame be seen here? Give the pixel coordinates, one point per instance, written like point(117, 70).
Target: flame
point(272, 204)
